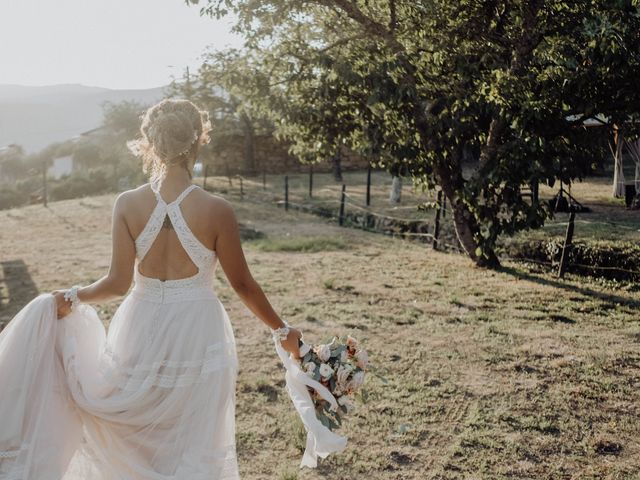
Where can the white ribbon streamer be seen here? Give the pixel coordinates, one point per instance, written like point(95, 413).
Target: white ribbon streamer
point(320, 440)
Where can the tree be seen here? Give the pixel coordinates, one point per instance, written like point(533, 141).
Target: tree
point(120, 123)
point(122, 118)
point(214, 87)
point(422, 82)
point(87, 155)
point(12, 162)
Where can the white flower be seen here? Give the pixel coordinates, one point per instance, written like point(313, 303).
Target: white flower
point(325, 370)
point(356, 381)
point(323, 352)
point(310, 368)
point(342, 376)
point(362, 359)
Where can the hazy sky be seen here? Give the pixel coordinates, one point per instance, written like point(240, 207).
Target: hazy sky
point(106, 43)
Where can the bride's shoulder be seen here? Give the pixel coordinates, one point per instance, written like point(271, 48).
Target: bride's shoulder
point(141, 191)
point(215, 201)
point(128, 197)
point(217, 205)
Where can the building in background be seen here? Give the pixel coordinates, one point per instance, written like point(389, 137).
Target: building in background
point(60, 167)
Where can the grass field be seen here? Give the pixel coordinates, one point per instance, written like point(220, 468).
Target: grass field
point(495, 375)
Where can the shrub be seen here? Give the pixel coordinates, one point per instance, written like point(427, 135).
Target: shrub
point(81, 184)
point(602, 259)
point(10, 197)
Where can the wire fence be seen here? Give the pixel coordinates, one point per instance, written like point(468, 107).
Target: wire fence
point(349, 210)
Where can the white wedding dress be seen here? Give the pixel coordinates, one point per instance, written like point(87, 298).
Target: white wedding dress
point(152, 399)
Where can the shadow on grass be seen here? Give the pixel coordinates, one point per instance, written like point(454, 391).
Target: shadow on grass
point(19, 288)
point(569, 287)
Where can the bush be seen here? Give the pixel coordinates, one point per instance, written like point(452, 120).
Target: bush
point(81, 184)
point(10, 197)
point(131, 171)
point(30, 185)
point(602, 259)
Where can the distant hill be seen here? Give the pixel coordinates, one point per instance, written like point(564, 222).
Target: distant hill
point(34, 117)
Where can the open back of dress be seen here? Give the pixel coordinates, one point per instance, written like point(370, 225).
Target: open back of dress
point(158, 244)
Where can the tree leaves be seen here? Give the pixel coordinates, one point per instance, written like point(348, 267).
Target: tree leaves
point(472, 96)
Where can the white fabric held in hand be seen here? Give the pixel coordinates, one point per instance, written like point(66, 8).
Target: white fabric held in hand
point(320, 440)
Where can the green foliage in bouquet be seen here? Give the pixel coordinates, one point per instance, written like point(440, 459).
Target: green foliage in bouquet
point(339, 364)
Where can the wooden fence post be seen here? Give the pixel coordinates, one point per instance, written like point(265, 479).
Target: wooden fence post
point(310, 181)
point(228, 174)
point(241, 189)
point(342, 200)
point(286, 192)
point(535, 191)
point(369, 185)
point(206, 172)
point(564, 260)
point(436, 228)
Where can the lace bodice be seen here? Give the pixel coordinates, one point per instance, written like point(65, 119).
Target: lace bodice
point(203, 258)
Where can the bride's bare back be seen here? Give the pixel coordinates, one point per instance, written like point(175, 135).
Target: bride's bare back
point(166, 258)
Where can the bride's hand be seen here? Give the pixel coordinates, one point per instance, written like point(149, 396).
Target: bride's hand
point(63, 306)
point(291, 343)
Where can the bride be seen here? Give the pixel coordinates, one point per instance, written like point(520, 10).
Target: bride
point(154, 397)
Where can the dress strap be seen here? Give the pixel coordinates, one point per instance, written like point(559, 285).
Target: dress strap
point(156, 190)
point(184, 193)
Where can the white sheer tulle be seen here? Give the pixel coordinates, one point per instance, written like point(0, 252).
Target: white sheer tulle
point(321, 441)
point(79, 404)
point(151, 399)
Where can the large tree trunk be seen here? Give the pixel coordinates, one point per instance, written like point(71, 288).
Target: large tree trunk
point(466, 226)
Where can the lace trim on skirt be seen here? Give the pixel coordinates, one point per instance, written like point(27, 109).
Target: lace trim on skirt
point(169, 373)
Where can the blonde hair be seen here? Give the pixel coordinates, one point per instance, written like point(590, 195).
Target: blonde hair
point(171, 131)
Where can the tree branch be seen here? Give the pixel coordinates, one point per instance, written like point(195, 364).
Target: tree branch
point(370, 25)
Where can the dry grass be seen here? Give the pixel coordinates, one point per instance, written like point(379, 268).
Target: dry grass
point(508, 374)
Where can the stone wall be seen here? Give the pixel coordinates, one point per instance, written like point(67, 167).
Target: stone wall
point(272, 157)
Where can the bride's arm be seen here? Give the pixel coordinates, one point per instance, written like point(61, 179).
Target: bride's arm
point(232, 260)
point(118, 279)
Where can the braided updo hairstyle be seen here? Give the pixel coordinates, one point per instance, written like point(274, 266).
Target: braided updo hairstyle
point(171, 133)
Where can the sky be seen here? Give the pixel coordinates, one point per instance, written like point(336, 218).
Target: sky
point(120, 44)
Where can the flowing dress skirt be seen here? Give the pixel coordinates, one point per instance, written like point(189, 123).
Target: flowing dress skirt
point(154, 398)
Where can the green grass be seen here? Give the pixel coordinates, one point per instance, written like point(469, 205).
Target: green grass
point(299, 244)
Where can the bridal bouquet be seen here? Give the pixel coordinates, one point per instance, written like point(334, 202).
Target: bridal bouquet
point(322, 385)
point(340, 366)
